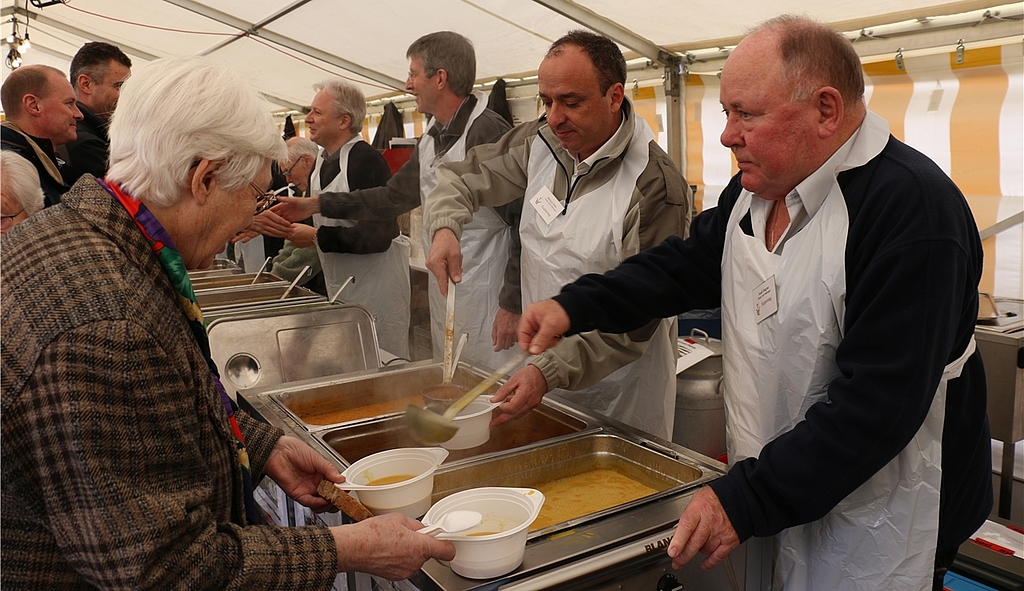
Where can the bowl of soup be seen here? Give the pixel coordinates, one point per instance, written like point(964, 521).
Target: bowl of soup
point(497, 544)
point(395, 480)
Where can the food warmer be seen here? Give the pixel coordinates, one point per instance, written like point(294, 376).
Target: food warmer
point(350, 416)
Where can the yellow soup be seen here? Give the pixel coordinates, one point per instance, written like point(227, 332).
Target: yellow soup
point(394, 478)
point(585, 493)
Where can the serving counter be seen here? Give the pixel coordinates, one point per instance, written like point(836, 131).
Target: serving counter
point(350, 416)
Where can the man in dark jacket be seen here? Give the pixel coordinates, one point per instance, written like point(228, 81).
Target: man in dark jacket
point(97, 72)
point(41, 115)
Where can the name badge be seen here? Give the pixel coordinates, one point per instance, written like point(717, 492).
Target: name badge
point(766, 302)
point(546, 204)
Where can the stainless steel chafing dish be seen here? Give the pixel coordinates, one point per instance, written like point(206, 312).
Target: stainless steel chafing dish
point(219, 268)
point(599, 550)
point(281, 345)
point(235, 280)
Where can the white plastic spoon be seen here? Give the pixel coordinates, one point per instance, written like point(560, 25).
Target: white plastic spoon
point(452, 522)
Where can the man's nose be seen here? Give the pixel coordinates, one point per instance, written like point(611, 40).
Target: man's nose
point(309, 118)
point(731, 135)
point(556, 115)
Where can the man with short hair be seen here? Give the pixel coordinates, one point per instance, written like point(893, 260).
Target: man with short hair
point(442, 69)
point(598, 188)
point(97, 72)
point(373, 252)
point(847, 267)
point(39, 104)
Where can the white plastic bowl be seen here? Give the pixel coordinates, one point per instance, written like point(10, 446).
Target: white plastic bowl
point(410, 497)
point(506, 511)
point(474, 423)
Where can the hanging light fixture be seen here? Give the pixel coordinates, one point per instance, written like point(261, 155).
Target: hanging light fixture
point(15, 41)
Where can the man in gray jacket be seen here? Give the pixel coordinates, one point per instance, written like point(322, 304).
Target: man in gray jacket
point(442, 68)
point(597, 189)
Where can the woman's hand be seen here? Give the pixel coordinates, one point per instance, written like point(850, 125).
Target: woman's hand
point(297, 468)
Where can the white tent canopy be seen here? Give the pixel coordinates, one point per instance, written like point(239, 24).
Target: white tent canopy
point(285, 46)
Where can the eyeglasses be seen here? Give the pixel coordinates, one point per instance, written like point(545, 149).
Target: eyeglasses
point(12, 216)
point(264, 200)
point(292, 167)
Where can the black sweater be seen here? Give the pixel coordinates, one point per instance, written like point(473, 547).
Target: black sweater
point(366, 168)
point(913, 261)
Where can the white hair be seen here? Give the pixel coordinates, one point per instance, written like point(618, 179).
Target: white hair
point(348, 100)
point(177, 110)
point(21, 179)
point(299, 146)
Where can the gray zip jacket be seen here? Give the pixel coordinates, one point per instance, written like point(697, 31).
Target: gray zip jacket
point(496, 174)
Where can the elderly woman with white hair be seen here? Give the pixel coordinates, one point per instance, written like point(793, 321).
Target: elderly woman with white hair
point(124, 464)
point(20, 192)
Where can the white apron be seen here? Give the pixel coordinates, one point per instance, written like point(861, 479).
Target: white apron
point(883, 535)
point(588, 239)
point(251, 254)
point(381, 279)
point(485, 243)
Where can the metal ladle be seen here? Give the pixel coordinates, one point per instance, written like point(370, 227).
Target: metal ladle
point(449, 333)
point(430, 428)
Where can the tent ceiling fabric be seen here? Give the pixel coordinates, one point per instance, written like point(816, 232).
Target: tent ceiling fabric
point(510, 36)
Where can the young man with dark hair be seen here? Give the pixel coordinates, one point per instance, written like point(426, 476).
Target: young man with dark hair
point(97, 72)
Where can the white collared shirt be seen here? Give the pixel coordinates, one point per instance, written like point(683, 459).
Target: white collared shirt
point(805, 199)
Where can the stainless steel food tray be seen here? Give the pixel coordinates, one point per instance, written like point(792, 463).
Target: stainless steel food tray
point(627, 532)
point(271, 347)
point(364, 396)
point(213, 301)
point(354, 442)
point(219, 268)
point(552, 461)
point(235, 280)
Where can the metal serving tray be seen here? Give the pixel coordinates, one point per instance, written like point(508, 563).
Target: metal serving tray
point(216, 300)
point(629, 533)
point(234, 280)
point(268, 348)
point(545, 463)
point(355, 442)
point(219, 268)
point(368, 396)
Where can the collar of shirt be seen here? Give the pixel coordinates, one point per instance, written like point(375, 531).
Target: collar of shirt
point(584, 167)
point(805, 199)
point(445, 136)
point(332, 156)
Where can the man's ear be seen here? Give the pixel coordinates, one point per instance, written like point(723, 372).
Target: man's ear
point(30, 104)
point(203, 182)
point(84, 84)
point(442, 78)
point(831, 110)
point(616, 93)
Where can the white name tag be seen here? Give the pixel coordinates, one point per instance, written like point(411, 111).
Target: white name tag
point(766, 302)
point(546, 204)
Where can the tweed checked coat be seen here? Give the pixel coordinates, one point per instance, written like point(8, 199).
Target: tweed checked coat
point(118, 467)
